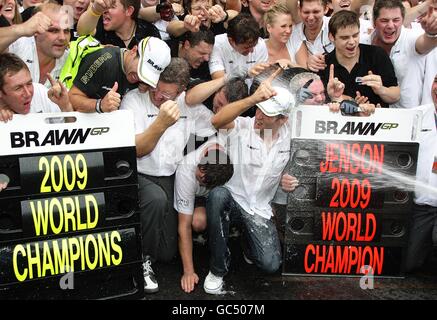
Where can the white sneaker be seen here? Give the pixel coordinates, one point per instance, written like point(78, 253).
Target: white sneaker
point(150, 283)
point(213, 284)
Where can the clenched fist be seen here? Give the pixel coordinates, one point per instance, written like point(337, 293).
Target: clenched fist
point(168, 113)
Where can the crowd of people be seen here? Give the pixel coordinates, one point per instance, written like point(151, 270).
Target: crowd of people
point(211, 85)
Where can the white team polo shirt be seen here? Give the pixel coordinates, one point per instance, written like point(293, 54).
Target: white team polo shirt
point(41, 102)
point(409, 68)
point(366, 29)
point(430, 73)
point(316, 47)
point(186, 186)
point(25, 48)
point(257, 170)
point(426, 157)
point(168, 152)
point(227, 59)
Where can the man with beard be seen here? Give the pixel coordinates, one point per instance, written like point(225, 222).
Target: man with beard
point(40, 42)
point(355, 65)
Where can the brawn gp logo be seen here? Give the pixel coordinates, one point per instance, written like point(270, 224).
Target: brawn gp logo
point(352, 127)
point(54, 137)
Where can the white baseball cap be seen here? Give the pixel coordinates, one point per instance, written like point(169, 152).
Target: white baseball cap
point(279, 104)
point(154, 58)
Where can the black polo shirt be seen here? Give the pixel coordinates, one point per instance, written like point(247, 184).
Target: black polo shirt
point(372, 58)
point(144, 29)
point(99, 70)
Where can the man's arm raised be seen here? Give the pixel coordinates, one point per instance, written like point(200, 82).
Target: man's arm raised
point(38, 24)
point(168, 115)
point(224, 119)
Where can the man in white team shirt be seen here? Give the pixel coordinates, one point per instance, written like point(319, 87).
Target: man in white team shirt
point(20, 95)
point(259, 148)
point(238, 50)
point(430, 71)
point(200, 171)
point(310, 20)
point(423, 227)
point(163, 124)
point(41, 42)
point(406, 47)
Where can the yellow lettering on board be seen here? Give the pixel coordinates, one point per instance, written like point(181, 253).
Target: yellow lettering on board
point(33, 260)
point(40, 217)
point(68, 210)
point(56, 203)
point(115, 235)
point(19, 249)
point(47, 262)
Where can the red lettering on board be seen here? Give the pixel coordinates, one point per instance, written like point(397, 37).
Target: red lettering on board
point(338, 226)
point(342, 259)
point(353, 158)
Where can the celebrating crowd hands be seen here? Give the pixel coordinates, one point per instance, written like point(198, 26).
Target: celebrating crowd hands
point(215, 65)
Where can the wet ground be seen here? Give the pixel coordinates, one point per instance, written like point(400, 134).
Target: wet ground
point(245, 282)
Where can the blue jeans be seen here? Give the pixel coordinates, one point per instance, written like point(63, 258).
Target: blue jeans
point(261, 235)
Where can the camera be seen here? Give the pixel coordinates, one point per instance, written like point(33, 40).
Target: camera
point(165, 10)
point(349, 107)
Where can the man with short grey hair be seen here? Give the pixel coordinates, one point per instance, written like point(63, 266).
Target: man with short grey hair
point(163, 124)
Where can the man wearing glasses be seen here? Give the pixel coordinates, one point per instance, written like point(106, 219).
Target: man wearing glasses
point(163, 124)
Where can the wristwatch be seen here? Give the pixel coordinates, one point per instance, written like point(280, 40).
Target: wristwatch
point(99, 106)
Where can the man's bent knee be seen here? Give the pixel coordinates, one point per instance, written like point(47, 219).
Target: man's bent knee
point(218, 194)
point(270, 263)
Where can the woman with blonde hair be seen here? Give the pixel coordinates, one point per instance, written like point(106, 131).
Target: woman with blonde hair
point(278, 23)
